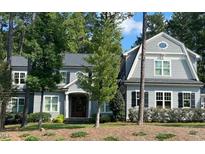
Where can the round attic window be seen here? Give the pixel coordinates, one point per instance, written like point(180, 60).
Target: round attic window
point(163, 45)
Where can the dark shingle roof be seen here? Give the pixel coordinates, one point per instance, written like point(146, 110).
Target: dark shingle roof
point(75, 60)
point(18, 61)
point(164, 81)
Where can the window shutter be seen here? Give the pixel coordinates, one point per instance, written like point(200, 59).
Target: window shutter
point(192, 100)
point(68, 77)
point(180, 100)
point(146, 99)
point(133, 99)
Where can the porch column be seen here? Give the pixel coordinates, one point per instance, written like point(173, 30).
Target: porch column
point(66, 106)
point(89, 109)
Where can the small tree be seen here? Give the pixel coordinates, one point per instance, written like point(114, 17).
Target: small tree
point(106, 48)
point(117, 105)
point(46, 45)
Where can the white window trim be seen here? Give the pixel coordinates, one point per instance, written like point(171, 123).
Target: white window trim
point(13, 82)
point(163, 68)
point(163, 42)
point(65, 78)
point(136, 96)
point(58, 108)
point(163, 105)
point(189, 92)
point(104, 108)
point(17, 105)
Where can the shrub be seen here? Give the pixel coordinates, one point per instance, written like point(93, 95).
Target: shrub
point(31, 138)
point(169, 115)
point(13, 118)
point(79, 134)
point(111, 138)
point(105, 118)
point(117, 106)
point(164, 136)
point(34, 117)
point(59, 119)
point(60, 139)
point(139, 134)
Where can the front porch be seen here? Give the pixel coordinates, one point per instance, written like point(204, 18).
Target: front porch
point(77, 106)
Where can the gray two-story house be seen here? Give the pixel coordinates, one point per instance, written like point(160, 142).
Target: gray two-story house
point(69, 99)
point(171, 79)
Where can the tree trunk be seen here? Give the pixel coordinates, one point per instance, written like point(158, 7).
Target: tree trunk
point(97, 122)
point(3, 116)
point(41, 111)
point(10, 39)
point(142, 78)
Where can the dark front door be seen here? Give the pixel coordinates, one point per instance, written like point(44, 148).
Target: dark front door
point(78, 105)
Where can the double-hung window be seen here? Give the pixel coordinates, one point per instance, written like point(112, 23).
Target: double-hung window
point(17, 104)
point(19, 77)
point(163, 99)
point(162, 68)
point(51, 103)
point(105, 108)
point(64, 77)
point(187, 100)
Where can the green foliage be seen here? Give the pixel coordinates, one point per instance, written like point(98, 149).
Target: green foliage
point(169, 115)
point(103, 118)
point(34, 117)
point(60, 139)
point(79, 134)
point(31, 138)
point(164, 136)
point(117, 105)
point(49, 134)
point(111, 138)
point(58, 119)
point(193, 132)
point(139, 134)
point(13, 118)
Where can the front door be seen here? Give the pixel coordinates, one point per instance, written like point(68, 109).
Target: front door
point(78, 105)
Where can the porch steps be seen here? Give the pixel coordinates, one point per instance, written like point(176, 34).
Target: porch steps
point(77, 120)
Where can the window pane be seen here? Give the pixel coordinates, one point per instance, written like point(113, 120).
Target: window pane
point(20, 108)
point(158, 72)
point(108, 107)
point(16, 78)
point(167, 104)
point(186, 103)
point(21, 101)
point(22, 78)
point(47, 103)
point(187, 99)
point(159, 104)
point(166, 64)
point(102, 108)
point(158, 64)
point(54, 103)
point(14, 105)
point(63, 74)
point(166, 72)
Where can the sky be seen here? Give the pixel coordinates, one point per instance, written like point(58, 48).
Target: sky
point(131, 28)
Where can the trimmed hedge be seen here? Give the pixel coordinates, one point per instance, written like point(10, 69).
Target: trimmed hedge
point(58, 119)
point(34, 117)
point(169, 115)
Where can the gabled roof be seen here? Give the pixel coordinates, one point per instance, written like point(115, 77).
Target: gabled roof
point(72, 60)
point(175, 41)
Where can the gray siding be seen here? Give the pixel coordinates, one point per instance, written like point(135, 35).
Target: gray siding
point(152, 45)
point(175, 90)
point(179, 70)
point(37, 100)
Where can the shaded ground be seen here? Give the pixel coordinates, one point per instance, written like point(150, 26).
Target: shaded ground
point(110, 131)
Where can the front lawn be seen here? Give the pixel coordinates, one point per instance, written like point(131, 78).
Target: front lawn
point(121, 131)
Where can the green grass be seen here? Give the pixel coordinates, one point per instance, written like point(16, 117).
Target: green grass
point(6, 139)
point(190, 125)
point(164, 136)
point(139, 134)
point(31, 138)
point(79, 134)
point(111, 138)
point(60, 139)
point(193, 132)
point(49, 134)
